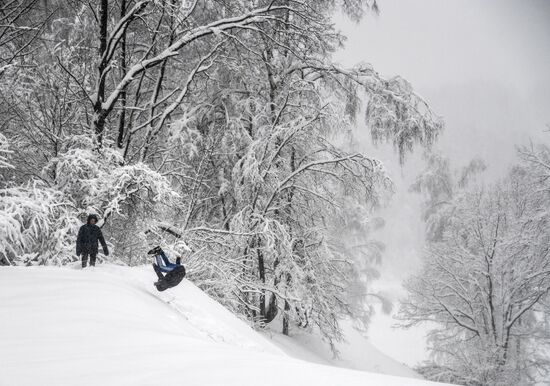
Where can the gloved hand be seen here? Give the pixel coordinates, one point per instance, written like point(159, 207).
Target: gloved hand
point(105, 251)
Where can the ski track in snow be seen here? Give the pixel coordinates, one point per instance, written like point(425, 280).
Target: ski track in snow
point(108, 326)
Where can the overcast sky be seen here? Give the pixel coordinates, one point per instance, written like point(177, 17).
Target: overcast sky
point(484, 66)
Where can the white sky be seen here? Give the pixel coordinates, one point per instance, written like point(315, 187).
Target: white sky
point(485, 67)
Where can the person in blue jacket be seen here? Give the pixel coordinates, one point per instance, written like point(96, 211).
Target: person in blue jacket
point(169, 274)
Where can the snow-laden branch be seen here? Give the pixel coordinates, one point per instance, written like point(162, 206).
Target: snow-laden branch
point(256, 16)
point(199, 67)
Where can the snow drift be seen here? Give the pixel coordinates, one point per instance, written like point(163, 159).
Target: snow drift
point(108, 326)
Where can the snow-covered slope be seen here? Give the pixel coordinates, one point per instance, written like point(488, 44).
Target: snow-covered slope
point(108, 326)
point(357, 352)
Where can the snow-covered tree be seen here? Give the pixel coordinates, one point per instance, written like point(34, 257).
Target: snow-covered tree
point(36, 226)
point(218, 125)
point(4, 152)
point(21, 24)
point(438, 184)
point(484, 280)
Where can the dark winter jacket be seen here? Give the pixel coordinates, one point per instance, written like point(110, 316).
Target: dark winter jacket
point(88, 237)
point(171, 279)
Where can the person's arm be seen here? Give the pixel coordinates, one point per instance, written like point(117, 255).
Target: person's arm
point(79, 242)
point(178, 260)
point(103, 243)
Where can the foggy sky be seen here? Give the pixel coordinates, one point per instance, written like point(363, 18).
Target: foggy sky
point(484, 66)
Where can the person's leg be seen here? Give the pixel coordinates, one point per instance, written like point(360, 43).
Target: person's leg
point(165, 259)
point(158, 271)
point(93, 256)
point(84, 259)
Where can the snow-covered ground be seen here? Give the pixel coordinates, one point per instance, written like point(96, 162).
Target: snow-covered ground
point(357, 352)
point(108, 326)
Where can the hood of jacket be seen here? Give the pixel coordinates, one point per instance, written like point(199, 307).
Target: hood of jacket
point(90, 217)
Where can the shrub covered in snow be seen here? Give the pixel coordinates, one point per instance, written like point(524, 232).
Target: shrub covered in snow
point(36, 226)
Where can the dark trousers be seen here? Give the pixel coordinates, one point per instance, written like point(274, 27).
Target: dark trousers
point(92, 256)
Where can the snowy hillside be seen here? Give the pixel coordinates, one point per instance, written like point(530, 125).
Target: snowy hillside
point(357, 352)
point(60, 326)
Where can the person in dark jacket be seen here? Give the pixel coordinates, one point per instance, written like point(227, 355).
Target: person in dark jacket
point(174, 272)
point(86, 242)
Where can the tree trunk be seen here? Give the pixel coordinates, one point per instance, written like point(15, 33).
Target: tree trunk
point(272, 309)
point(286, 327)
point(99, 114)
point(261, 272)
point(122, 117)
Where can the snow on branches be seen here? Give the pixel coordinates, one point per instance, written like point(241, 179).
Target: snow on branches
point(485, 278)
point(36, 226)
point(4, 151)
point(219, 126)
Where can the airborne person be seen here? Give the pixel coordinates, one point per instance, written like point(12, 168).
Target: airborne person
point(174, 272)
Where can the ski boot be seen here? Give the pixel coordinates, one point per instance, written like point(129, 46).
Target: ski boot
point(155, 251)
